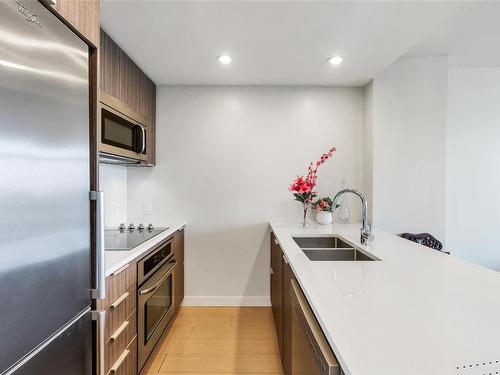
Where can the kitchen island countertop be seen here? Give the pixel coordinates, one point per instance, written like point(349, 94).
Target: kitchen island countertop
point(416, 311)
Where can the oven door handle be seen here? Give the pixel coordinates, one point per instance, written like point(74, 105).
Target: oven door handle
point(155, 287)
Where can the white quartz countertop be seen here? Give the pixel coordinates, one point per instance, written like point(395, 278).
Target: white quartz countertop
point(417, 311)
point(117, 259)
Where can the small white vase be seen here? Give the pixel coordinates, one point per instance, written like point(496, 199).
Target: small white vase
point(324, 217)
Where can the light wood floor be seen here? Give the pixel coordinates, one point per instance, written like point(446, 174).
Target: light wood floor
point(215, 340)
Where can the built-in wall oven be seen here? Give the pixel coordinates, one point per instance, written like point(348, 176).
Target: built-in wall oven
point(155, 296)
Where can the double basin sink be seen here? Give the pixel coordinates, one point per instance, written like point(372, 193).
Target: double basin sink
point(331, 248)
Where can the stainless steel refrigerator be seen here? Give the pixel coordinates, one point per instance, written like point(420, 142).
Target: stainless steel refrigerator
point(45, 256)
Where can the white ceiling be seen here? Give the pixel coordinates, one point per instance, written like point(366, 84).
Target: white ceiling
point(471, 36)
point(271, 42)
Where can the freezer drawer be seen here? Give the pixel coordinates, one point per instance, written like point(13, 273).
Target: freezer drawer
point(69, 353)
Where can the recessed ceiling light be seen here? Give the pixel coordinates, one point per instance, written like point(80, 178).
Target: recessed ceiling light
point(335, 60)
point(225, 59)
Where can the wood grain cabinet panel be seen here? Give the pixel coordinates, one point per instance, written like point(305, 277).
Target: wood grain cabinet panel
point(119, 340)
point(122, 79)
point(118, 313)
point(83, 15)
point(126, 364)
point(288, 276)
point(277, 288)
point(118, 283)
point(151, 115)
point(179, 267)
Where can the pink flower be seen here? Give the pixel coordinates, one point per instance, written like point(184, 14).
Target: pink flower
point(303, 187)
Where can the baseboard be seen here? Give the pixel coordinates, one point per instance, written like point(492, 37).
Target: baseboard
point(226, 301)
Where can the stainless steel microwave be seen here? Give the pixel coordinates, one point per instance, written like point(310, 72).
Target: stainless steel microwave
point(123, 140)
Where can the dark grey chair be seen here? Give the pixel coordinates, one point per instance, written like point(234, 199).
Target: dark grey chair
point(425, 239)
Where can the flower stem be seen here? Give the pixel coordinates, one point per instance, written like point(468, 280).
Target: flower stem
point(305, 215)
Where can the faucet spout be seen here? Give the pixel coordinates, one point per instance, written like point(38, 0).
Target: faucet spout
point(365, 229)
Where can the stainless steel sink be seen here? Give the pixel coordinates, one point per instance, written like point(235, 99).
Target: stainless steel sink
point(321, 242)
point(352, 255)
point(331, 249)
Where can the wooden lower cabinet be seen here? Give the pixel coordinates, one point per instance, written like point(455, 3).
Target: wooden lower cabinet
point(117, 284)
point(119, 325)
point(288, 276)
point(299, 355)
point(179, 267)
point(119, 340)
point(117, 335)
point(277, 288)
point(127, 361)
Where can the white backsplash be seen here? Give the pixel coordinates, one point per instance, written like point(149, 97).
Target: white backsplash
point(113, 181)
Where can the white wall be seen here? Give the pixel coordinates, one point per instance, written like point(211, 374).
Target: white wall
point(368, 148)
point(113, 181)
point(409, 146)
point(473, 165)
point(225, 158)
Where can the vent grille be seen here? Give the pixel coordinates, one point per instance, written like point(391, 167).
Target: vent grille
point(489, 367)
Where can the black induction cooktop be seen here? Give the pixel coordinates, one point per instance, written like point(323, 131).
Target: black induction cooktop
point(124, 240)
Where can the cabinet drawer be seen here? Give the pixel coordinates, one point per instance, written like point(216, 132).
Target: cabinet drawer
point(119, 311)
point(126, 364)
point(117, 283)
point(119, 340)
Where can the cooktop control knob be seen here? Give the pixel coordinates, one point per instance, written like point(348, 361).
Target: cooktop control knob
point(122, 227)
point(150, 226)
point(131, 227)
point(140, 227)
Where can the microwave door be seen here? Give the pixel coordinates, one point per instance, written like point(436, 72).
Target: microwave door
point(121, 137)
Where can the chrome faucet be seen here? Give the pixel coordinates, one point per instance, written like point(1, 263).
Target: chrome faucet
point(366, 231)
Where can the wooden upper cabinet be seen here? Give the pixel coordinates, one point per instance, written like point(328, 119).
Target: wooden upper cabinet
point(122, 79)
point(83, 15)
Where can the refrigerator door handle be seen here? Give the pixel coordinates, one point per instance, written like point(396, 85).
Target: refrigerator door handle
point(100, 271)
point(100, 319)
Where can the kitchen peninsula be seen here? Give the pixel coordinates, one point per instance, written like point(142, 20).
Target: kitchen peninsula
point(415, 311)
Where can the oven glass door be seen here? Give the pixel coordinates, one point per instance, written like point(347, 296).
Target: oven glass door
point(156, 306)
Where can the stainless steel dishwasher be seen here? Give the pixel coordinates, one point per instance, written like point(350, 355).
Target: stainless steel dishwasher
point(311, 353)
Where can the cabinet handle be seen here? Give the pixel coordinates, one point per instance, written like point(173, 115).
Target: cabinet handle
point(119, 331)
point(285, 258)
point(117, 303)
point(276, 242)
point(119, 362)
point(271, 270)
point(117, 272)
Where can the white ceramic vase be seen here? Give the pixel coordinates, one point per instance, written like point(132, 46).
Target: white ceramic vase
point(324, 217)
